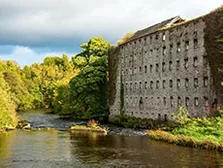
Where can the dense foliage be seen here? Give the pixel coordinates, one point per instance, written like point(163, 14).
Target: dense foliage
point(89, 87)
point(75, 87)
point(7, 109)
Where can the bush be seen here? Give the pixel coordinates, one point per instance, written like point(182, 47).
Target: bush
point(182, 115)
point(92, 124)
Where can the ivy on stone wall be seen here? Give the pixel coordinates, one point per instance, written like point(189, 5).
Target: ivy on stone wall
point(214, 47)
point(121, 96)
point(113, 72)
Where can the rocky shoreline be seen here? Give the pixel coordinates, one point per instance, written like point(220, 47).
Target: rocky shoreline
point(115, 130)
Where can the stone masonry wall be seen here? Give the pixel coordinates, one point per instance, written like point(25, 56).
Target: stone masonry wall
point(164, 70)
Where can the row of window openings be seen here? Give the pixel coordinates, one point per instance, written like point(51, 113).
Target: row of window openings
point(186, 65)
point(164, 38)
point(164, 51)
point(179, 101)
point(179, 46)
point(178, 84)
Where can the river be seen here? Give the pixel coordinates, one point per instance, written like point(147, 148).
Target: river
point(58, 148)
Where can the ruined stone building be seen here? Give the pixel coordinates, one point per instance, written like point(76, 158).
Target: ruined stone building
point(170, 64)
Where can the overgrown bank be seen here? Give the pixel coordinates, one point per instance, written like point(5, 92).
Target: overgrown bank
point(206, 133)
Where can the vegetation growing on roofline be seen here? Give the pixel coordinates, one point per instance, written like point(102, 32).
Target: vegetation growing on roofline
point(125, 38)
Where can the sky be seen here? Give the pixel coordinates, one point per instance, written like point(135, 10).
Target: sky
point(33, 29)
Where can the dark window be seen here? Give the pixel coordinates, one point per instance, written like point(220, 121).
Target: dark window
point(170, 65)
point(151, 84)
point(178, 101)
point(186, 45)
point(205, 81)
point(186, 63)
point(163, 66)
point(140, 86)
point(206, 101)
point(195, 82)
point(164, 84)
point(157, 67)
point(187, 101)
point(164, 50)
point(144, 41)
point(195, 43)
point(165, 117)
point(171, 101)
point(178, 83)
point(157, 84)
point(186, 82)
point(196, 101)
point(145, 84)
point(151, 68)
point(171, 83)
point(178, 65)
point(140, 69)
point(164, 101)
point(178, 47)
point(145, 69)
point(195, 61)
point(171, 49)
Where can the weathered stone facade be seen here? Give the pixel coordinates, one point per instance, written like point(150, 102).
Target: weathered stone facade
point(159, 69)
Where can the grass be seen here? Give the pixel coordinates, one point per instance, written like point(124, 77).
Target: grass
point(204, 133)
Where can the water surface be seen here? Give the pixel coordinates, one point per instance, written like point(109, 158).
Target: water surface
point(58, 148)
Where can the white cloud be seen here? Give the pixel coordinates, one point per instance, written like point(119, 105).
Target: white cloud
point(44, 21)
point(26, 56)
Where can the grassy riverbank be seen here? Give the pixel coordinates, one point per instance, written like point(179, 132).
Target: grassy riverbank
point(204, 133)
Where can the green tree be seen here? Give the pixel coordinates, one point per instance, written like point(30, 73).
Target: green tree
point(96, 46)
point(88, 90)
point(8, 116)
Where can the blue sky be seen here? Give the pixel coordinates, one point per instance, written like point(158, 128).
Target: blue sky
point(33, 29)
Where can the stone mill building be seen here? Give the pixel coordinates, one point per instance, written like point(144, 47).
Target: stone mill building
point(170, 64)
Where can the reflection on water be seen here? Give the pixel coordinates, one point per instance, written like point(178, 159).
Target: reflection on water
point(21, 149)
point(56, 149)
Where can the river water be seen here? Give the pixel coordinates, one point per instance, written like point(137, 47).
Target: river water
point(57, 148)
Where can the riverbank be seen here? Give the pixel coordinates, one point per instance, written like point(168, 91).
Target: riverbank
point(109, 129)
point(204, 133)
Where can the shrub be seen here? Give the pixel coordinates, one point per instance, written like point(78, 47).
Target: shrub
point(182, 115)
point(92, 123)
